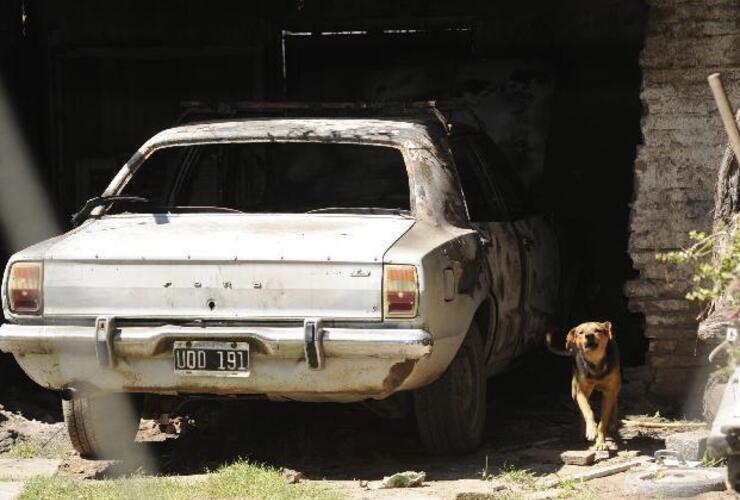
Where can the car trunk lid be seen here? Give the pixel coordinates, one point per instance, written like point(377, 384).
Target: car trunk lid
point(222, 266)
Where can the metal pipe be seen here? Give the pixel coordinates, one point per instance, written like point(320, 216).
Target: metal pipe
point(725, 112)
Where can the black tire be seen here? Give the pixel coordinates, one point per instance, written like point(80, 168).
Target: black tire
point(102, 426)
point(451, 411)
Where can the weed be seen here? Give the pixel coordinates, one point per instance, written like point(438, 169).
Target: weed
point(32, 449)
point(707, 461)
point(575, 488)
point(238, 480)
point(521, 477)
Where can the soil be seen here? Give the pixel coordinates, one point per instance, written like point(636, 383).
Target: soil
point(28, 413)
point(531, 419)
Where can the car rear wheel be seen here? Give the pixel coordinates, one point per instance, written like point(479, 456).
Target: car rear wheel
point(101, 426)
point(451, 412)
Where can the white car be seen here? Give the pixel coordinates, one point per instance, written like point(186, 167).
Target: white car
point(297, 259)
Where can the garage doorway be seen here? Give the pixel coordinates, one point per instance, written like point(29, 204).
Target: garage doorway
point(567, 119)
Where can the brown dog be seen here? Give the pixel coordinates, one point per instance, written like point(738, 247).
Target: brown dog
point(596, 367)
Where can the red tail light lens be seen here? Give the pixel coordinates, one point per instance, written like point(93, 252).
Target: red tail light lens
point(24, 287)
point(401, 291)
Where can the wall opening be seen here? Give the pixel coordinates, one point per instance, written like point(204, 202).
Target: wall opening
point(555, 83)
point(567, 116)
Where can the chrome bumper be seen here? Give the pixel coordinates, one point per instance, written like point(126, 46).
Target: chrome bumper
point(112, 342)
point(308, 363)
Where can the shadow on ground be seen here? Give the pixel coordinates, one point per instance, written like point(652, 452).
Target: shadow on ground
point(528, 406)
point(19, 394)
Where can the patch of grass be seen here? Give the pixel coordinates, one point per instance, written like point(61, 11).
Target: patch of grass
point(707, 461)
point(239, 480)
point(246, 479)
point(526, 480)
point(23, 449)
point(520, 477)
point(33, 449)
point(573, 488)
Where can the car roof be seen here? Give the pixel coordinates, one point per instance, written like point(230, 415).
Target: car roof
point(405, 132)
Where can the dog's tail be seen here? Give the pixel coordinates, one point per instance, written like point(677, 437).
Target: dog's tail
point(553, 349)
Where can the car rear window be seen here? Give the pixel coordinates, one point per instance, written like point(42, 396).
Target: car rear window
point(273, 178)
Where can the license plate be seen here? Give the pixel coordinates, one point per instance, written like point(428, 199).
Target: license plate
point(201, 357)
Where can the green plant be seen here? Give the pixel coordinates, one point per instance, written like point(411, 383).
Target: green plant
point(33, 449)
point(715, 268)
point(574, 488)
point(716, 261)
point(240, 480)
point(707, 461)
point(521, 477)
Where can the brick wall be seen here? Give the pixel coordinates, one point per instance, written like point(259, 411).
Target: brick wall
point(683, 143)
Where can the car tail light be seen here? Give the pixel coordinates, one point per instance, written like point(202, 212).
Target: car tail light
point(24, 287)
point(400, 291)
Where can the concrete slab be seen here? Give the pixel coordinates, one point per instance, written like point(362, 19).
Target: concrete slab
point(10, 491)
point(24, 468)
point(691, 445)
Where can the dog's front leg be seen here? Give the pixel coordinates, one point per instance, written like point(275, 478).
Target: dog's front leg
point(614, 422)
point(580, 396)
point(608, 405)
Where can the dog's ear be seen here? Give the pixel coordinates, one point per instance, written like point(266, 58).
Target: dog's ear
point(608, 327)
point(570, 340)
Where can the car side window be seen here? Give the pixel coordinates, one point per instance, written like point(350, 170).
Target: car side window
point(503, 180)
point(483, 204)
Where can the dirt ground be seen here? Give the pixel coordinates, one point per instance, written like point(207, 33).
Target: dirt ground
point(530, 421)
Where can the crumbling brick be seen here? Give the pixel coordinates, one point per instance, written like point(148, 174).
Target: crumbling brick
point(578, 457)
point(675, 172)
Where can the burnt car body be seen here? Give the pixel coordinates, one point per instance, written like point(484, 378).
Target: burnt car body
point(302, 259)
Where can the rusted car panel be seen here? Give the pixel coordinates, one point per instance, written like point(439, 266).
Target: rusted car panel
point(134, 266)
point(435, 194)
point(304, 291)
point(142, 360)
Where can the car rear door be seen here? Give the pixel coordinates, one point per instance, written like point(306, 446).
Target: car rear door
point(504, 254)
point(536, 237)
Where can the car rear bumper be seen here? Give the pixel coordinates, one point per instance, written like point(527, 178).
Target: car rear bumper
point(308, 362)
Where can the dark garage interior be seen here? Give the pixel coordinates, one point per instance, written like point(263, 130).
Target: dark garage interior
point(555, 83)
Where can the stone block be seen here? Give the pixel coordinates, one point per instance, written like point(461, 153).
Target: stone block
point(672, 360)
point(658, 306)
point(684, 334)
point(637, 373)
point(691, 445)
point(682, 321)
point(663, 346)
point(578, 457)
